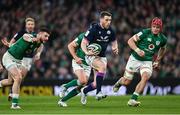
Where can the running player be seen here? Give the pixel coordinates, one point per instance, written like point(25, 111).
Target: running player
point(81, 69)
point(103, 35)
point(144, 45)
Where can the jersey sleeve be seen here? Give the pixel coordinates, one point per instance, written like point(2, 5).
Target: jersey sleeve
point(18, 35)
point(89, 35)
point(78, 39)
point(164, 42)
point(142, 34)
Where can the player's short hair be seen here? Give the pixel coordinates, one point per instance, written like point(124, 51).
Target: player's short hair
point(29, 19)
point(45, 29)
point(105, 13)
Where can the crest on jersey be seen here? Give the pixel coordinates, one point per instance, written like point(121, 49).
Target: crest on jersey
point(157, 43)
point(151, 46)
point(149, 39)
point(108, 32)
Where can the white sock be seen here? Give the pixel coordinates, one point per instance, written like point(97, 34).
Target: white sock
point(135, 93)
point(15, 96)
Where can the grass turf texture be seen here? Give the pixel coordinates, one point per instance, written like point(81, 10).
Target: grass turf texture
point(111, 105)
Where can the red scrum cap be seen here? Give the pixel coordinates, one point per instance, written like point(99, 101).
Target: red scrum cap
point(157, 21)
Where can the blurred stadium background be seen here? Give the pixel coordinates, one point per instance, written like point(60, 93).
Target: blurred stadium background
point(67, 18)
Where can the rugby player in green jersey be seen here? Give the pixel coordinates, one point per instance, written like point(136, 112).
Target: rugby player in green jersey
point(30, 56)
point(12, 61)
point(144, 45)
point(81, 69)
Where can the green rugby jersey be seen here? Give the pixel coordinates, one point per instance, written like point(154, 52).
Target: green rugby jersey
point(22, 47)
point(149, 43)
point(79, 51)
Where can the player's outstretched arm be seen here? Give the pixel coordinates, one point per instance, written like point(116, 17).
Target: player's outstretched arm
point(132, 45)
point(72, 49)
point(5, 42)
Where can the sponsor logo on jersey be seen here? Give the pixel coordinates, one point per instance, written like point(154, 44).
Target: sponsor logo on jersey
point(104, 39)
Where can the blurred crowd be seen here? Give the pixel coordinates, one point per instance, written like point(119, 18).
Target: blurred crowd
point(68, 18)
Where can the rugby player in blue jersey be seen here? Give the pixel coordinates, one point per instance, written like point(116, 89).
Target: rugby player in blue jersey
point(103, 35)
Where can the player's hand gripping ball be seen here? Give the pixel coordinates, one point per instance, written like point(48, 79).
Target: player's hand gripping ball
point(95, 48)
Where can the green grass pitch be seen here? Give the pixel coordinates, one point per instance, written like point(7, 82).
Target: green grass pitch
point(111, 105)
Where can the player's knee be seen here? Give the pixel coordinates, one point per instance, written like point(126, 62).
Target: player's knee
point(83, 81)
point(18, 79)
point(10, 81)
point(128, 76)
point(102, 68)
point(146, 72)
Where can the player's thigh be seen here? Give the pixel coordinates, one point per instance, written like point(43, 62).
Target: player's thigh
point(8, 60)
point(27, 63)
point(146, 69)
point(15, 73)
point(132, 66)
point(81, 71)
point(99, 63)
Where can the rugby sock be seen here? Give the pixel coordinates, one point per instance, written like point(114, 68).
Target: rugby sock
point(135, 96)
point(71, 94)
point(99, 81)
point(74, 82)
point(89, 88)
point(15, 99)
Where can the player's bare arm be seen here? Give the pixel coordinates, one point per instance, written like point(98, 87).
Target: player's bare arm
point(115, 47)
point(5, 42)
point(72, 49)
point(132, 44)
point(84, 45)
point(38, 52)
point(29, 38)
point(161, 54)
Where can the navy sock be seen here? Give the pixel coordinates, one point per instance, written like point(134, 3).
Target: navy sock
point(89, 88)
point(99, 81)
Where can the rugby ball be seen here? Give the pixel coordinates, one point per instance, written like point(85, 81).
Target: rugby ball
point(96, 48)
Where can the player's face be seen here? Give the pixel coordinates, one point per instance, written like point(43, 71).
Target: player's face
point(155, 29)
point(44, 36)
point(106, 21)
point(30, 26)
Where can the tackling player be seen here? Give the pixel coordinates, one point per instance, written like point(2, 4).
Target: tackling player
point(12, 61)
point(30, 55)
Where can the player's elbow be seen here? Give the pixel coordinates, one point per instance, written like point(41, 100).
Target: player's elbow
point(130, 41)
